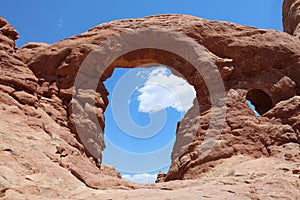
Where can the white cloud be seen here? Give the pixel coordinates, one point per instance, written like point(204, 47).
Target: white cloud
point(140, 178)
point(162, 90)
point(142, 74)
point(60, 23)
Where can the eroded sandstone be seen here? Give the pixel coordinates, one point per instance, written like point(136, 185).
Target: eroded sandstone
point(42, 154)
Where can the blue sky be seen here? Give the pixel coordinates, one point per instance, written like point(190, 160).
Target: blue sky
point(141, 118)
point(50, 21)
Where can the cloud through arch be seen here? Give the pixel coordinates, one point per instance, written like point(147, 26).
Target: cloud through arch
point(141, 178)
point(163, 89)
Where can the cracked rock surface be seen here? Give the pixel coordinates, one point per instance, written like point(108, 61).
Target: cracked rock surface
point(255, 157)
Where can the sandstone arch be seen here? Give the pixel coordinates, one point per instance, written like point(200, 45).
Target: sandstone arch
point(146, 47)
point(232, 50)
point(36, 87)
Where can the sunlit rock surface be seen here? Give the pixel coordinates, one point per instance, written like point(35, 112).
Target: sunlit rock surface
point(42, 155)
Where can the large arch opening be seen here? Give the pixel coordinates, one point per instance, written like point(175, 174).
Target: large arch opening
point(261, 101)
point(101, 63)
point(144, 60)
point(149, 93)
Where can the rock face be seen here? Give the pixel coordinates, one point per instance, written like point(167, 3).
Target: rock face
point(52, 121)
point(39, 154)
point(291, 17)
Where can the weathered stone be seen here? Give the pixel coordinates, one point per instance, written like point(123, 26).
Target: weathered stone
point(50, 133)
point(25, 98)
point(291, 17)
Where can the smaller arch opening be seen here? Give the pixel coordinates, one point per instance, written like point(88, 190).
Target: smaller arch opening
point(261, 101)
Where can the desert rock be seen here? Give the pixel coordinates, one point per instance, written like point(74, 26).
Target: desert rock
point(51, 129)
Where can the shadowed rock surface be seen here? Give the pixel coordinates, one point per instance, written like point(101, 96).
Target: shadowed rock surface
point(42, 153)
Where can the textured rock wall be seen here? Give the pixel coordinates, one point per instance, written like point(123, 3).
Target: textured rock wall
point(257, 62)
point(43, 154)
point(248, 58)
point(38, 152)
point(291, 17)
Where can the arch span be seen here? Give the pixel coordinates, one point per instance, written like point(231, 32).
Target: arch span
point(180, 53)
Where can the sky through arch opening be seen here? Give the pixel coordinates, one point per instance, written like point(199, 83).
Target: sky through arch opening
point(145, 105)
point(259, 101)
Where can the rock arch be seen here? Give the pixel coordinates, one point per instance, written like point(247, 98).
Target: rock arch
point(239, 53)
point(42, 156)
point(163, 48)
point(261, 100)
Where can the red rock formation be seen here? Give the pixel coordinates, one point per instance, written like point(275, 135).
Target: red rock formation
point(51, 139)
point(37, 146)
point(291, 17)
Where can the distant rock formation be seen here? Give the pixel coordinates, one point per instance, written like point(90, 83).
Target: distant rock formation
point(44, 153)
